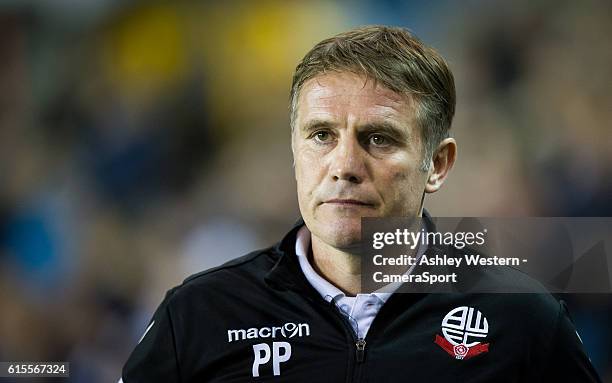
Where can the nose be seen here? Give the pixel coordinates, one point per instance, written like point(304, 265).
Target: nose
point(347, 162)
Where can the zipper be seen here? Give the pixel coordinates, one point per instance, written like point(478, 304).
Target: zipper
point(360, 345)
point(360, 353)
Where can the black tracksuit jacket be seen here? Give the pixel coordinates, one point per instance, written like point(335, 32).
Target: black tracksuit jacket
point(256, 318)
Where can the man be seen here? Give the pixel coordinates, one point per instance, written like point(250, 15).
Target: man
point(370, 114)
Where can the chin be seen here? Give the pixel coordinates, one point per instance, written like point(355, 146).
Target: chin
point(342, 232)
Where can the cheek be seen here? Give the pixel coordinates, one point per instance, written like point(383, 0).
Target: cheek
point(307, 171)
point(400, 183)
point(403, 185)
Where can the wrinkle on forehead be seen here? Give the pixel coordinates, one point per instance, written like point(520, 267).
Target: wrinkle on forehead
point(325, 81)
point(366, 82)
point(324, 92)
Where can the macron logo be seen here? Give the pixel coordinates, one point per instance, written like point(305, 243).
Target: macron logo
point(287, 330)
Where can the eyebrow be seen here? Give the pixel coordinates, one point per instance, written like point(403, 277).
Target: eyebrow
point(388, 128)
point(317, 124)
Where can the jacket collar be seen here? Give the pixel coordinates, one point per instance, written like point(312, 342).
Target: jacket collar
point(287, 273)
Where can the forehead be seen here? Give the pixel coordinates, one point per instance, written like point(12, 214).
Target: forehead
point(344, 94)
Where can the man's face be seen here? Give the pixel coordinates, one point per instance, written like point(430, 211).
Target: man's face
point(357, 153)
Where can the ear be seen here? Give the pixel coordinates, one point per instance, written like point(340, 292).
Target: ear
point(443, 160)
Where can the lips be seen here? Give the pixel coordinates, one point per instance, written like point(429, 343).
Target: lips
point(348, 202)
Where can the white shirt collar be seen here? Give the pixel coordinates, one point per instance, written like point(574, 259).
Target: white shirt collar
point(327, 290)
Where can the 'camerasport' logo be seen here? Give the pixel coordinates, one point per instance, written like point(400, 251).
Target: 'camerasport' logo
point(463, 329)
point(287, 330)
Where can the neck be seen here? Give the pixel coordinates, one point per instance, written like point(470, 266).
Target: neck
point(340, 268)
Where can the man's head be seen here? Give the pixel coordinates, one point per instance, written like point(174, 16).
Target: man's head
point(370, 114)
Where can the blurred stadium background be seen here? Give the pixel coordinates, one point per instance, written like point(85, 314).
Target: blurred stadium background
point(142, 141)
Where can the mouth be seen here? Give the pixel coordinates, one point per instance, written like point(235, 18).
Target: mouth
point(348, 202)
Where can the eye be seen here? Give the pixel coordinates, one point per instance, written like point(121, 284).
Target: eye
point(322, 136)
point(378, 140)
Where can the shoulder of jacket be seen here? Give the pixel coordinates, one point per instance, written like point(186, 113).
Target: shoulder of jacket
point(251, 261)
point(254, 263)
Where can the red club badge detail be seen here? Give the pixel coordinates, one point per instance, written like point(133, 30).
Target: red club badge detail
point(463, 329)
